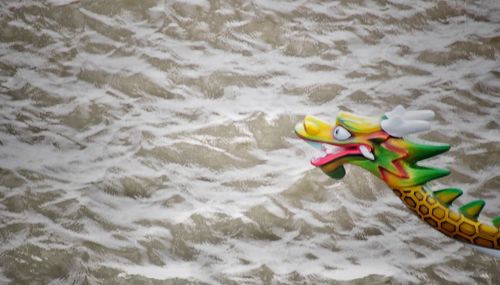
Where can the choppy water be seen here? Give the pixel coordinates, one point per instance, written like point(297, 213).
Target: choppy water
point(150, 142)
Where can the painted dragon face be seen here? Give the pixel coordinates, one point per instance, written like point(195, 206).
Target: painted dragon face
point(351, 139)
point(373, 143)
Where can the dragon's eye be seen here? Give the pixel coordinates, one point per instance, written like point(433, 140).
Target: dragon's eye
point(341, 133)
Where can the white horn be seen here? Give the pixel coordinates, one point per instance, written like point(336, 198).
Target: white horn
point(400, 123)
point(398, 111)
point(419, 115)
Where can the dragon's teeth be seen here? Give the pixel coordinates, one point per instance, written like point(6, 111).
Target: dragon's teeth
point(330, 148)
point(366, 152)
point(320, 155)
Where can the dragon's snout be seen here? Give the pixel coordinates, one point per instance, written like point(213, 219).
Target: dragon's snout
point(311, 128)
point(314, 129)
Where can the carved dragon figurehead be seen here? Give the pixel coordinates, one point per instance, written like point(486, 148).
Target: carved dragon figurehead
point(379, 144)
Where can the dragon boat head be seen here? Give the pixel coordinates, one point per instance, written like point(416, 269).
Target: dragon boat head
point(377, 144)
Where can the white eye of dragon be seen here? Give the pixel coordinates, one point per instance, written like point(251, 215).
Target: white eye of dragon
point(341, 133)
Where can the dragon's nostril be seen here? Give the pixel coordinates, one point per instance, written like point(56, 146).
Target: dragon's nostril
point(311, 128)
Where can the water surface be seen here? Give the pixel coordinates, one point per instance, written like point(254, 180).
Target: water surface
point(151, 142)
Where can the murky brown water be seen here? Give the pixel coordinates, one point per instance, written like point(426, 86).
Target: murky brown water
point(151, 142)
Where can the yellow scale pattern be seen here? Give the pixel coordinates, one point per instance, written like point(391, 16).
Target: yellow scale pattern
point(447, 221)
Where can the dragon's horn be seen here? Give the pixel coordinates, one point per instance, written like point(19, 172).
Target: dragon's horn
point(399, 122)
point(400, 111)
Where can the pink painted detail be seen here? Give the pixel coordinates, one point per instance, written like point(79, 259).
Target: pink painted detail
point(378, 135)
point(333, 156)
point(383, 175)
point(402, 172)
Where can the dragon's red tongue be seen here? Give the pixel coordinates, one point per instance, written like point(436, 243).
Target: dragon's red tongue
point(328, 157)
